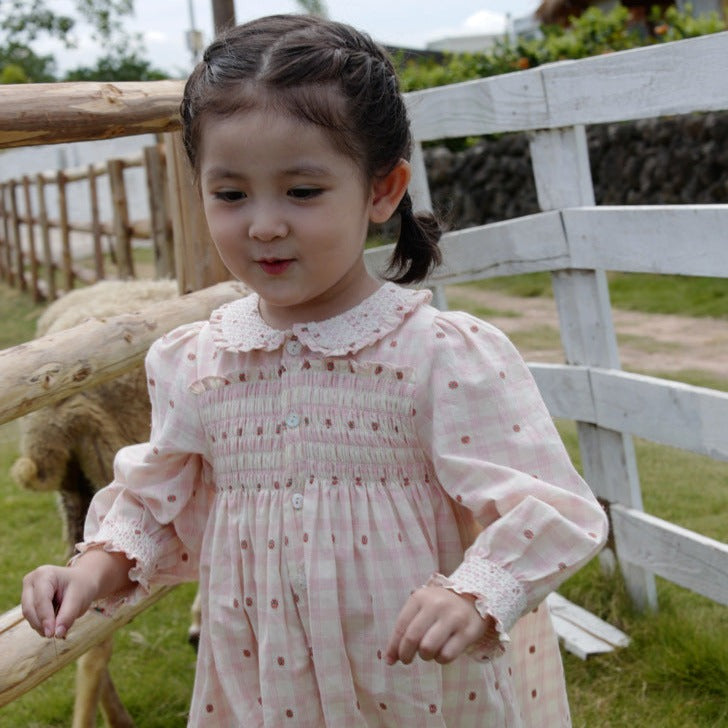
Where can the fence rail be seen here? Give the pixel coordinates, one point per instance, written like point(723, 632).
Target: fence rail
point(572, 238)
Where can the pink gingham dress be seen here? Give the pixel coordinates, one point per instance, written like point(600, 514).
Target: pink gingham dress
point(312, 478)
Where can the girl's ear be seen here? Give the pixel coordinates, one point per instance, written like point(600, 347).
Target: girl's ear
point(387, 191)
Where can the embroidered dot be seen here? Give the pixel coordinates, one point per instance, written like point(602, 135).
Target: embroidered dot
point(379, 654)
point(365, 539)
point(224, 435)
point(516, 428)
point(289, 713)
point(358, 706)
point(213, 438)
point(383, 706)
point(510, 670)
point(497, 685)
point(239, 432)
point(185, 557)
point(400, 375)
point(259, 430)
point(378, 370)
point(274, 603)
point(562, 566)
point(393, 344)
point(414, 412)
point(453, 384)
point(328, 422)
point(440, 335)
point(351, 424)
point(592, 534)
point(306, 364)
point(472, 695)
point(330, 366)
point(333, 538)
point(534, 610)
point(502, 375)
point(152, 383)
point(311, 479)
point(260, 700)
point(209, 707)
point(246, 653)
point(236, 603)
point(375, 426)
point(399, 536)
point(296, 598)
point(171, 498)
point(171, 403)
point(532, 649)
point(474, 329)
point(242, 377)
point(191, 356)
point(137, 531)
point(155, 450)
point(281, 661)
point(248, 601)
point(528, 533)
point(305, 538)
point(534, 693)
point(433, 708)
point(465, 439)
point(271, 544)
point(276, 485)
point(285, 540)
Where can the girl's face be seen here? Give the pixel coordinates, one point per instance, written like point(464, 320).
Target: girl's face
point(288, 213)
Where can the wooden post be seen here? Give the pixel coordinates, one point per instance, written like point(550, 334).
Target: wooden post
point(158, 218)
point(6, 267)
point(50, 264)
point(124, 259)
point(563, 179)
point(17, 242)
point(197, 262)
point(31, 239)
point(66, 260)
point(93, 193)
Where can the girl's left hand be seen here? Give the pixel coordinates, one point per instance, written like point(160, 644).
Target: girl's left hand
point(437, 624)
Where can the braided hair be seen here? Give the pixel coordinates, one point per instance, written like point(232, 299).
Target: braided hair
point(327, 74)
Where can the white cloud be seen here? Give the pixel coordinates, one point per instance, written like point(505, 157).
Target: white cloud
point(485, 21)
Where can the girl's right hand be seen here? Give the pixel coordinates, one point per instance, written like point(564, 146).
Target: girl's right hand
point(55, 596)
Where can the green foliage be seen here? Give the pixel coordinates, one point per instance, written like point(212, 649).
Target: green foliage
point(116, 67)
point(20, 64)
point(593, 33)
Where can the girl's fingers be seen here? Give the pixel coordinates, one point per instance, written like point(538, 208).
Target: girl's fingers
point(408, 612)
point(37, 602)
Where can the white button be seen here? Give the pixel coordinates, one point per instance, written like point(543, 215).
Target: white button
point(297, 501)
point(292, 420)
point(293, 347)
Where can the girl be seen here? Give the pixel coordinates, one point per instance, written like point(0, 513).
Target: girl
point(322, 449)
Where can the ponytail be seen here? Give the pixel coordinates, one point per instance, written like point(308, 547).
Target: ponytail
point(416, 252)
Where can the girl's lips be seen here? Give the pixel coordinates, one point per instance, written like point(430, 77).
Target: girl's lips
point(274, 267)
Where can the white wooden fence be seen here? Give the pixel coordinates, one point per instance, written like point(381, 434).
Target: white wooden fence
point(572, 238)
point(578, 242)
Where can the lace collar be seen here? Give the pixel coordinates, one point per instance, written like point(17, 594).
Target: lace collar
point(237, 326)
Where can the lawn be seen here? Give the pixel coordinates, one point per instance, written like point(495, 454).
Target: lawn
point(674, 674)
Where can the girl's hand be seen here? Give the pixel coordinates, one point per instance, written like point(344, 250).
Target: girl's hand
point(437, 624)
point(55, 596)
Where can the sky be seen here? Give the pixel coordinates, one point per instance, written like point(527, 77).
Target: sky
point(408, 23)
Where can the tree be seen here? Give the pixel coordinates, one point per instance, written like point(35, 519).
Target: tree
point(22, 22)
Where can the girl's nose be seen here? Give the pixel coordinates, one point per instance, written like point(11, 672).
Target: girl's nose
point(267, 225)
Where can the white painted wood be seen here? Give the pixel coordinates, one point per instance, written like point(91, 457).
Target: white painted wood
point(578, 641)
point(585, 621)
point(671, 239)
point(562, 174)
point(690, 418)
point(675, 78)
point(686, 558)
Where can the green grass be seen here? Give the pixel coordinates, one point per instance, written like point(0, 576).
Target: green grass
point(673, 675)
point(684, 295)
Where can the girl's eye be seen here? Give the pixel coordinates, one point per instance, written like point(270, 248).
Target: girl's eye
point(229, 195)
point(304, 193)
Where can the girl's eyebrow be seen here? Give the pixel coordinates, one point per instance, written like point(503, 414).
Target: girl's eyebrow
point(299, 170)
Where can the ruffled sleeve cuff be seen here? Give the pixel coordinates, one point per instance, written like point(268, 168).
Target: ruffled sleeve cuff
point(497, 595)
point(138, 547)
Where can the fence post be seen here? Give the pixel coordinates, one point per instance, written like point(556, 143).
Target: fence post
point(563, 179)
point(6, 267)
point(196, 260)
point(93, 193)
point(158, 217)
point(31, 239)
point(124, 260)
point(66, 260)
point(45, 237)
point(17, 242)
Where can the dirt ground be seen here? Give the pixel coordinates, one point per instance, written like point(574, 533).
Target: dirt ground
point(648, 343)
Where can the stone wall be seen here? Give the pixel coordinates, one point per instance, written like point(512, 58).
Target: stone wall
point(677, 160)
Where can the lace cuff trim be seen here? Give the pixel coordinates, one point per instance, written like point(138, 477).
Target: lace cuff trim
point(497, 594)
point(138, 547)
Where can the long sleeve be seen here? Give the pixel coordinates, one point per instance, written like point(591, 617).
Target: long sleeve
point(155, 509)
point(496, 452)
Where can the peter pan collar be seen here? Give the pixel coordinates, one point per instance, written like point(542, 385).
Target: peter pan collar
point(238, 327)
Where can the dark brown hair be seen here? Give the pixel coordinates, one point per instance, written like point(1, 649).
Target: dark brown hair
point(324, 73)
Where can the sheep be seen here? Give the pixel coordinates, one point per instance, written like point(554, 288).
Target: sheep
point(69, 447)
